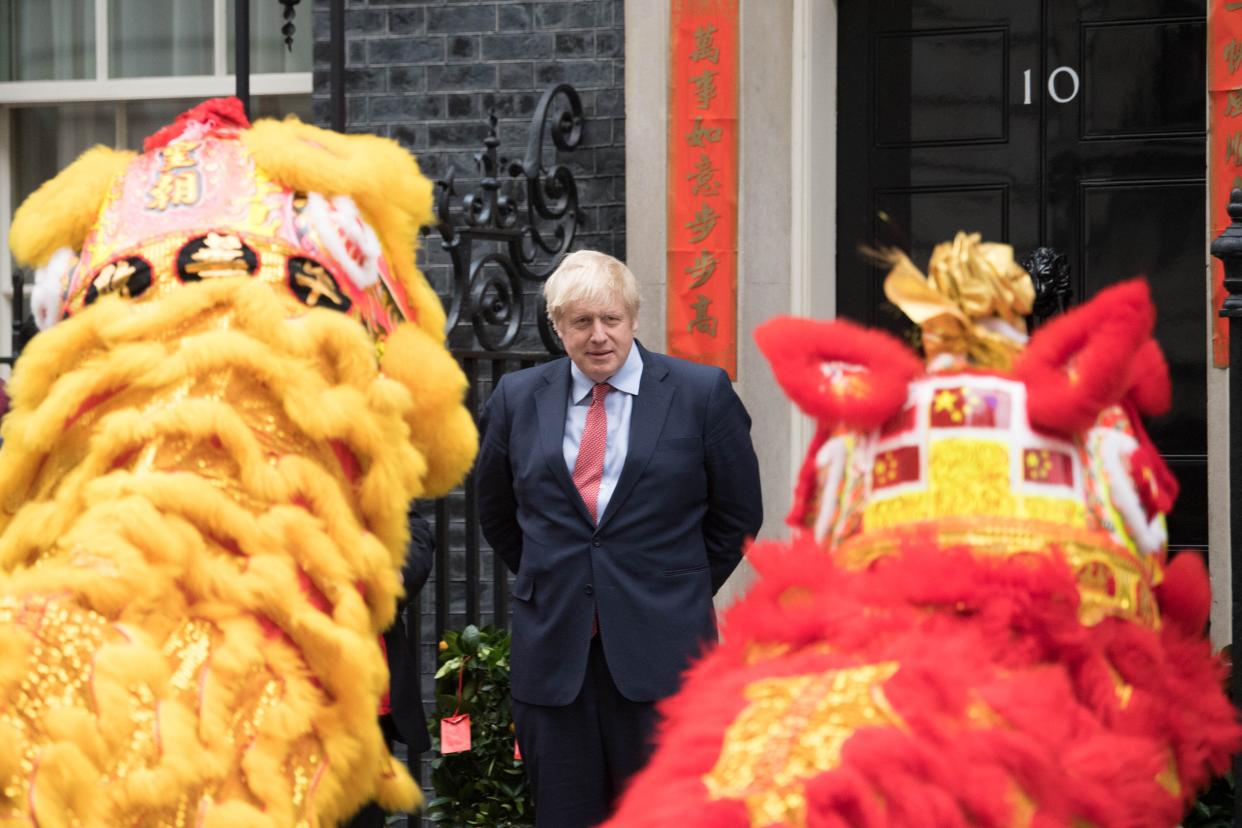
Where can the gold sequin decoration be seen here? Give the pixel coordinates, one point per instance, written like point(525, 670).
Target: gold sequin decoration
point(1168, 778)
point(248, 718)
point(188, 648)
point(303, 767)
point(1123, 689)
point(1023, 808)
point(143, 747)
point(757, 651)
point(970, 477)
point(63, 639)
point(982, 715)
point(1112, 581)
point(792, 730)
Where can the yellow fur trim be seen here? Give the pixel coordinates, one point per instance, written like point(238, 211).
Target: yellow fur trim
point(62, 211)
point(381, 177)
point(440, 427)
point(181, 482)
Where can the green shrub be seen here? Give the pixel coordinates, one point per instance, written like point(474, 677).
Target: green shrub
point(483, 786)
point(1214, 808)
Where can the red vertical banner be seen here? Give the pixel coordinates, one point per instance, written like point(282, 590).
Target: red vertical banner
point(702, 182)
point(1224, 143)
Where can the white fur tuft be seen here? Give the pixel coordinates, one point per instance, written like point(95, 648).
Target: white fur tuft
point(51, 282)
point(337, 221)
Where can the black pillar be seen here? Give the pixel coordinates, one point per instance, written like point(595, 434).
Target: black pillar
point(241, 52)
point(336, 75)
point(1228, 248)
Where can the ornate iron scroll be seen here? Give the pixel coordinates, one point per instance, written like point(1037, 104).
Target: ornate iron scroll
point(488, 282)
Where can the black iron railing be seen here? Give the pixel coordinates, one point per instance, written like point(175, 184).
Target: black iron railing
point(1228, 248)
point(503, 238)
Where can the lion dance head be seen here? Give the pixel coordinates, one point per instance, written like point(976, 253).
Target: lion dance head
point(240, 383)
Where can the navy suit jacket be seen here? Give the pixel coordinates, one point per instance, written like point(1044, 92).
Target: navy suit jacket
point(403, 680)
point(687, 500)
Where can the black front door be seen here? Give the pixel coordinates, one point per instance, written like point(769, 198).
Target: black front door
point(1074, 125)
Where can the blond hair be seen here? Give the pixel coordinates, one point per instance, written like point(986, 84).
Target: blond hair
point(593, 278)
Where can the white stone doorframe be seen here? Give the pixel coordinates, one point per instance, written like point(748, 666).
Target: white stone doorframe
point(787, 160)
point(813, 156)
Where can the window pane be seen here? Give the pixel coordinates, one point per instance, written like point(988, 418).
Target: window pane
point(144, 118)
point(47, 139)
point(268, 52)
point(153, 38)
point(278, 106)
point(47, 39)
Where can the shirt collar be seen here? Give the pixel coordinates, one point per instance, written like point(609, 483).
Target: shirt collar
point(627, 378)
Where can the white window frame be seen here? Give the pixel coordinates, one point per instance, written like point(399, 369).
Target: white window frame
point(103, 89)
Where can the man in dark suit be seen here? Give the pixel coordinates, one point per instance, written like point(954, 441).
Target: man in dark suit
point(619, 485)
point(401, 713)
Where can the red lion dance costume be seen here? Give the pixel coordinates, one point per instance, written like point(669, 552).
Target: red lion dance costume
point(241, 383)
point(975, 623)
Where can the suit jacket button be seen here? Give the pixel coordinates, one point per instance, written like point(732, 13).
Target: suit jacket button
point(595, 543)
point(590, 590)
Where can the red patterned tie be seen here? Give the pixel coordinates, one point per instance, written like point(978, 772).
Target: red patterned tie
point(589, 467)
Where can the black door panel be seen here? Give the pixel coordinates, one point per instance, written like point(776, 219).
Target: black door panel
point(939, 137)
point(952, 98)
point(1140, 104)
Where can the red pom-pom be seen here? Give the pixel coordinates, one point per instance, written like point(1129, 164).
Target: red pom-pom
point(1080, 363)
point(1151, 390)
point(216, 114)
point(1185, 594)
point(839, 372)
point(1157, 487)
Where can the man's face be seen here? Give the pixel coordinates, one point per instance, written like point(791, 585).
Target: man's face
point(597, 337)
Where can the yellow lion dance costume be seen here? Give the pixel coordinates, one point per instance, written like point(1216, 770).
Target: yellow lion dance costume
point(205, 475)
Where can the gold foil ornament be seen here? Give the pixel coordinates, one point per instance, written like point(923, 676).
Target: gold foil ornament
point(970, 304)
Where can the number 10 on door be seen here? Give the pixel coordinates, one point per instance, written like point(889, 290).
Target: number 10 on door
point(1056, 85)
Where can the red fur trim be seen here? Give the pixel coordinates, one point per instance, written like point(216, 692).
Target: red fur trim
point(1080, 363)
point(1150, 387)
point(1157, 487)
point(1156, 484)
point(1005, 700)
point(216, 113)
point(1185, 594)
point(804, 490)
point(878, 367)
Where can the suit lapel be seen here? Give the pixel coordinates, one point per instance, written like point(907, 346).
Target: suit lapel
point(647, 415)
point(552, 403)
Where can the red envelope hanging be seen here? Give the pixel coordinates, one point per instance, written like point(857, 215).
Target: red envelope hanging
point(455, 734)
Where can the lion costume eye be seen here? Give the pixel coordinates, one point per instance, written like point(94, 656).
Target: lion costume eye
point(313, 284)
point(215, 256)
point(128, 278)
